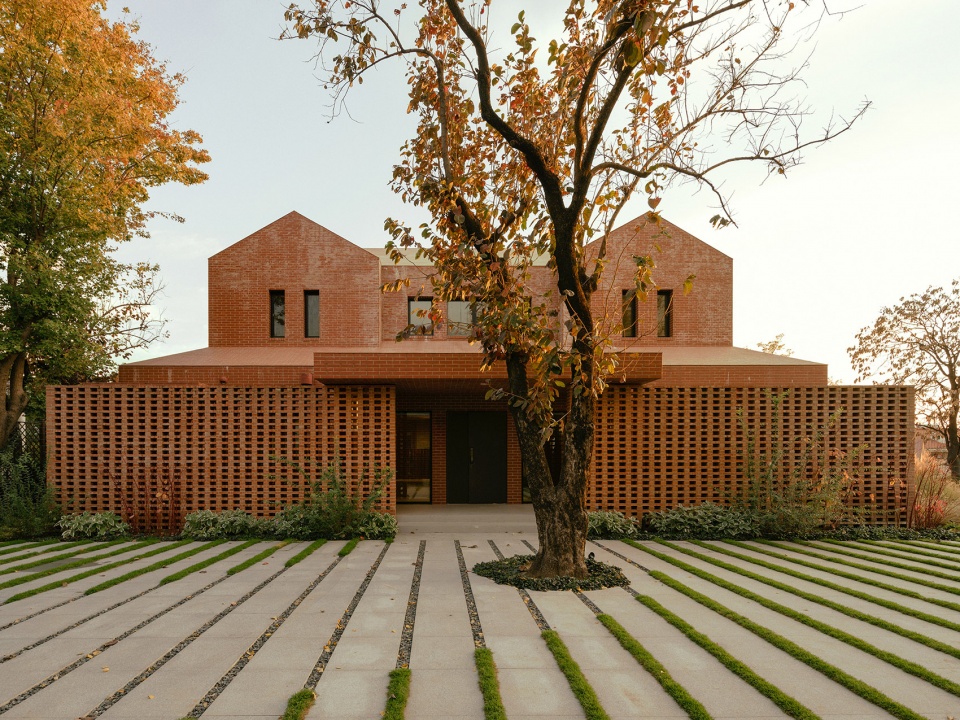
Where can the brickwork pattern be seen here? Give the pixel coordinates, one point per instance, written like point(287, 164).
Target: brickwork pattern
point(155, 454)
point(659, 447)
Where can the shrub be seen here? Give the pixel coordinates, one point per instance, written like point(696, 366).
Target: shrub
point(27, 506)
point(937, 495)
point(611, 525)
point(335, 510)
point(92, 526)
point(377, 526)
point(704, 522)
point(797, 491)
point(226, 525)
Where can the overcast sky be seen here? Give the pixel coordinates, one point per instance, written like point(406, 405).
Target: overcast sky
point(867, 219)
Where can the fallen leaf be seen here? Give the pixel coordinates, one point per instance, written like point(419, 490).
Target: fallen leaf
point(106, 669)
point(149, 697)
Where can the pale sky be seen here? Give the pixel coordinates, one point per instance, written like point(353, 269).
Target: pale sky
point(867, 219)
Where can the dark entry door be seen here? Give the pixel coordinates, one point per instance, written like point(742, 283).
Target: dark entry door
point(476, 457)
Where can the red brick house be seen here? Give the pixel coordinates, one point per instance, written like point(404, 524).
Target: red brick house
point(303, 364)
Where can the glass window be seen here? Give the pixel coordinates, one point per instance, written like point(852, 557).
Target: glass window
point(629, 313)
point(417, 314)
point(460, 318)
point(664, 313)
point(414, 457)
point(311, 313)
point(277, 313)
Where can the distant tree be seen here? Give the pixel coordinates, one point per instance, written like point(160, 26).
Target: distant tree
point(917, 342)
point(775, 346)
point(528, 149)
point(83, 136)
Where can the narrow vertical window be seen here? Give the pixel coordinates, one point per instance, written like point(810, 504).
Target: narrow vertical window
point(629, 313)
point(311, 313)
point(418, 315)
point(278, 308)
point(664, 313)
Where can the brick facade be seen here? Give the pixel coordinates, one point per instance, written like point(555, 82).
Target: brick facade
point(202, 429)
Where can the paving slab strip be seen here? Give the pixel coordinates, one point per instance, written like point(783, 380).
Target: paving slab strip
point(97, 652)
point(912, 645)
point(905, 589)
point(858, 662)
point(921, 621)
point(919, 562)
point(76, 603)
point(837, 554)
point(278, 669)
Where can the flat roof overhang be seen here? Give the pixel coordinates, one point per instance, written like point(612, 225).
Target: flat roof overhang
point(449, 371)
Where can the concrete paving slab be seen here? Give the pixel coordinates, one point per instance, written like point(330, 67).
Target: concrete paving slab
point(444, 693)
point(355, 681)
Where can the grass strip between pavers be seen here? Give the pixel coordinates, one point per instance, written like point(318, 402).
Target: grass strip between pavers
point(150, 568)
point(837, 634)
point(298, 705)
point(65, 556)
point(584, 693)
point(874, 548)
point(305, 553)
point(879, 622)
point(689, 704)
point(850, 576)
point(30, 577)
point(348, 548)
point(32, 546)
point(867, 692)
point(942, 546)
point(93, 571)
point(196, 567)
point(792, 707)
point(489, 684)
point(839, 550)
point(257, 558)
point(398, 692)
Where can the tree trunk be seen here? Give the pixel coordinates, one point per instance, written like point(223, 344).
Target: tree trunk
point(13, 368)
point(558, 503)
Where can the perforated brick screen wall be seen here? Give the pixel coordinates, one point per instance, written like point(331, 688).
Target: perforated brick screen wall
point(687, 444)
point(155, 454)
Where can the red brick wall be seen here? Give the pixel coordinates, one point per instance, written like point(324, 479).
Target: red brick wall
point(686, 445)
point(742, 376)
point(213, 375)
point(155, 454)
point(294, 254)
point(703, 317)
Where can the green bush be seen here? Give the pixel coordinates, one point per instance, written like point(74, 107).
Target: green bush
point(377, 526)
point(27, 506)
point(611, 525)
point(704, 522)
point(226, 525)
point(335, 510)
point(92, 526)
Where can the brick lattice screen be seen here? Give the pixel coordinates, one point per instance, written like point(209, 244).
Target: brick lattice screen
point(688, 445)
point(155, 454)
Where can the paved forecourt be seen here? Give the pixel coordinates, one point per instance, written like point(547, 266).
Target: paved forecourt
point(227, 646)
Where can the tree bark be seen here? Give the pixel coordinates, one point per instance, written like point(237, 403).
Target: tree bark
point(13, 369)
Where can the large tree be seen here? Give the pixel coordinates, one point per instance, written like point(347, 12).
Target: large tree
point(917, 342)
point(83, 136)
point(528, 149)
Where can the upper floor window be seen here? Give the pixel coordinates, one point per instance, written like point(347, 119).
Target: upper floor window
point(664, 313)
point(311, 313)
point(418, 310)
point(278, 308)
point(629, 313)
point(461, 317)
